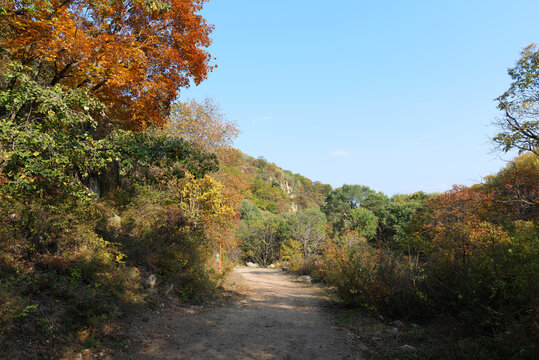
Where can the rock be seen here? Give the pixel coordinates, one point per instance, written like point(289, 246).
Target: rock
point(285, 268)
point(151, 281)
point(305, 279)
point(397, 323)
point(189, 311)
point(395, 330)
point(286, 187)
point(271, 266)
point(13, 217)
point(250, 264)
point(407, 347)
point(115, 223)
point(116, 220)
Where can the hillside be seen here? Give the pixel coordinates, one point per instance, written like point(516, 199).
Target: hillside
point(276, 190)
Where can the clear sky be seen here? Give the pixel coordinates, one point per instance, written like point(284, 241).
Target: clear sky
point(396, 95)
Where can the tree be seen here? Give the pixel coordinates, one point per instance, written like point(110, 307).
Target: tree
point(342, 201)
point(203, 124)
point(395, 217)
point(309, 229)
point(363, 221)
point(48, 148)
point(261, 233)
point(519, 123)
point(202, 200)
point(134, 55)
point(45, 143)
point(140, 151)
point(515, 189)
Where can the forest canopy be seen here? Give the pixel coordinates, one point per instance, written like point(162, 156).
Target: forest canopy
point(134, 56)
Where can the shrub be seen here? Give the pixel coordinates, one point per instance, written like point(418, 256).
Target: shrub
point(374, 278)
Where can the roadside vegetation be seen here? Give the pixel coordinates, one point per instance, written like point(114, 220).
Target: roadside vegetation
point(113, 190)
point(464, 263)
point(104, 198)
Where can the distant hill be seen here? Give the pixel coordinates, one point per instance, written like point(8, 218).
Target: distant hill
point(277, 190)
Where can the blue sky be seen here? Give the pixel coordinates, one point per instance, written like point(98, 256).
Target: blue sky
point(396, 95)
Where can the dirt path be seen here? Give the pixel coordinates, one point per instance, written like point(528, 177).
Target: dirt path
point(278, 319)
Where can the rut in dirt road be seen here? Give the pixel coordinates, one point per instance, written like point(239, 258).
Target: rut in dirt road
point(280, 319)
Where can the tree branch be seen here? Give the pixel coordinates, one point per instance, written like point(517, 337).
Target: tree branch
point(60, 75)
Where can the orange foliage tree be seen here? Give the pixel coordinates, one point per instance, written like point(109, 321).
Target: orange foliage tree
point(479, 246)
point(134, 55)
point(516, 189)
point(456, 216)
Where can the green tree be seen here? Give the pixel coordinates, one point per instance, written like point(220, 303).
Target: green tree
point(362, 220)
point(49, 144)
point(395, 217)
point(342, 201)
point(261, 233)
point(45, 137)
point(519, 124)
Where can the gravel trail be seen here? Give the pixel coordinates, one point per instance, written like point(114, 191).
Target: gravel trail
point(277, 319)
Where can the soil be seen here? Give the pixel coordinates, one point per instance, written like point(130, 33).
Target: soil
point(268, 315)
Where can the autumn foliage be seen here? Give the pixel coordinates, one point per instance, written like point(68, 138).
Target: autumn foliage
point(133, 55)
point(203, 124)
point(95, 195)
point(470, 254)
